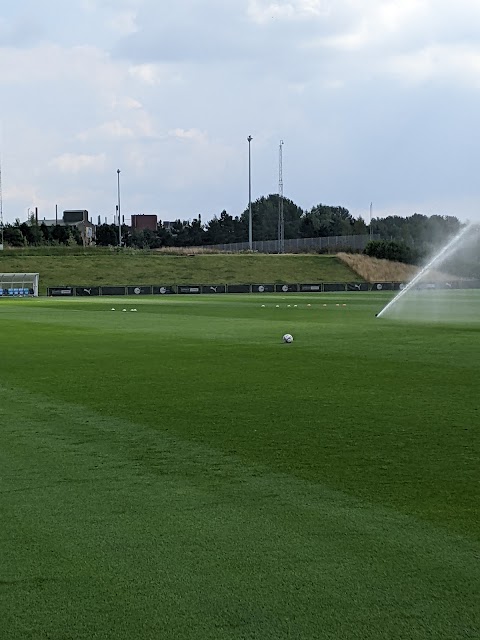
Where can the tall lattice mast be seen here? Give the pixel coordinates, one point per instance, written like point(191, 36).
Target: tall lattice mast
point(281, 220)
point(1, 207)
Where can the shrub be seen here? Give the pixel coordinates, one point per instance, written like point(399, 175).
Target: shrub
point(391, 250)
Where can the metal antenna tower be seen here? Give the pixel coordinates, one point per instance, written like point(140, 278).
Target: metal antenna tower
point(1, 208)
point(281, 220)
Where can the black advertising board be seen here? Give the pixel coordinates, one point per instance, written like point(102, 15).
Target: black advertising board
point(263, 288)
point(357, 286)
point(334, 286)
point(139, 290)
point(132, 290)
point(87, 291)
point(113, 291)
point(60, 291)
point(163, 290)
point(214, 288)
point(238, 288)
point(382, 286)
point(469, 284)
point(189, 288)
point(315, 288)
point(286, 288)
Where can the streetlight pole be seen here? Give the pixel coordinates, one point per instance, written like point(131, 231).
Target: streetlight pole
point(118, 207)
point(249, 139)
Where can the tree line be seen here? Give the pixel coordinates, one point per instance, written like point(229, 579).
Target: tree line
point(321, 220)
point(417, 235)
point(28, 234)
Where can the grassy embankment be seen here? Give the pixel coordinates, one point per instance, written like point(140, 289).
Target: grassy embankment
point(110, 268)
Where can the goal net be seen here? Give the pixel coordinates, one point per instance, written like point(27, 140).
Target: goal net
point(18, 285)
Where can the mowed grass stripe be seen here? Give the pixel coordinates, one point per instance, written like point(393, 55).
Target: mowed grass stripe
point(180, 472)
point(362, 407)
point(114, 529)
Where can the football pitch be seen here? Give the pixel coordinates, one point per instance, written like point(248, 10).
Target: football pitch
point(180, 473)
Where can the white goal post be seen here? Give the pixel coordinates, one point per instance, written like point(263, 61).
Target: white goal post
point(18, 285)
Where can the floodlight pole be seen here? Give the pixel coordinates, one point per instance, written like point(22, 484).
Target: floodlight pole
point(118, 207)
point(281, 221)
point(250, 246)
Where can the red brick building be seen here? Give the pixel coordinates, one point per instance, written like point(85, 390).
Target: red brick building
point(141, 222)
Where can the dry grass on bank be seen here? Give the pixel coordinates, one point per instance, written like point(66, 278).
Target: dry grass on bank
point(377, 270)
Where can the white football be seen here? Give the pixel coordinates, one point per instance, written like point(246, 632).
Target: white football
point(288, 338)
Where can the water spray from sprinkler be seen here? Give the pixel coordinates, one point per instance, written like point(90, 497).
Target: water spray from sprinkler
point(442, 255)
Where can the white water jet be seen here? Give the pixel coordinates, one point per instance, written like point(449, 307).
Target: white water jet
point(442, 255)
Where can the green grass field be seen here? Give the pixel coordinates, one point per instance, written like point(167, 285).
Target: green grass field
point(110, 268)
point(180, 473)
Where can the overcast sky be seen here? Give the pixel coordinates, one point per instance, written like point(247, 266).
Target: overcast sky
point(376, 100)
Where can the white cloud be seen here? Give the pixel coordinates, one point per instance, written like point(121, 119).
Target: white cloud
point(148, 73)
point(193, 135)
point(261, 11)
point(75, 163)
point(114, 129)
point(135, 123)
point(378, 25)
point(126, 102)
point(124, 23)
point(376, 100)
point(25, 192)
point(455, 65)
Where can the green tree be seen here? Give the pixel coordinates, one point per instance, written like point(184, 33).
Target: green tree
point(107, 235)
point(220, 230)
point(45, 231)
point(325, 220)
point(164, 235)
point(359, 226)
point(60, 234)
point(196, 233)
point(31, 232)
point(390, 250)
point(13, 236)
point(150, 239)
point(424, 234)
point(185, 233)
point(75, 235)
point(265, 212)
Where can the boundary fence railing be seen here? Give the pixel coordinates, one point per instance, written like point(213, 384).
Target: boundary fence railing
point(298, 245)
